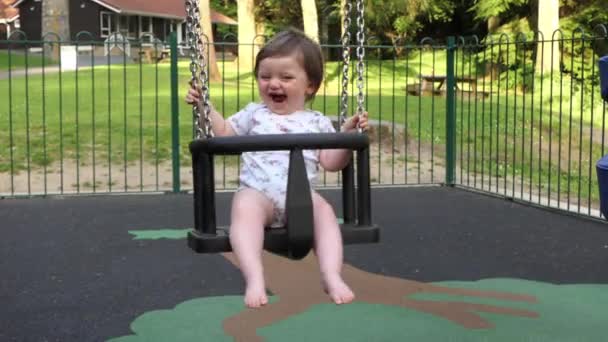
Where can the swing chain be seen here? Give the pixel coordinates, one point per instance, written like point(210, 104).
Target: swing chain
point(360, 55)
point(345, 61)
point(198, 69)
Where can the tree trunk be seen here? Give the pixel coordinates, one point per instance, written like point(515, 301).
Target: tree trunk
point(493, 24)
point(342, 5)
point(324, 32)
point(310, 19)
point(260, 30)
point(55, 19)
point(205, 22)
point(547, 53)
point(247, 34)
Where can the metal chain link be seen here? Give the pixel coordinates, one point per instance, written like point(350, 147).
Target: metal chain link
point(360, 56)
point(192, 34)
point(200, 79)
point(345, 62)
point(198, 69)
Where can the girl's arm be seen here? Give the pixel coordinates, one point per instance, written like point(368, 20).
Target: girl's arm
point(337, 159)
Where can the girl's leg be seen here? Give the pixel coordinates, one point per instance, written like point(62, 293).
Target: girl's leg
point(328, 247)
point(251, 211)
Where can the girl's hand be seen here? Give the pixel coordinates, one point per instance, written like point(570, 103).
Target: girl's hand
point(355, 121)
point(193, 96)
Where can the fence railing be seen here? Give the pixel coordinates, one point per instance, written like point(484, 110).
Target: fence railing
point(537, 135)
point(518, 116)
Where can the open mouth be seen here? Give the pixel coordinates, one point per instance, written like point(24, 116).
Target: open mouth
point(278, 98)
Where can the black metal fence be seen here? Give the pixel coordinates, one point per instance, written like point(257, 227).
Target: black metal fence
point(519, 116)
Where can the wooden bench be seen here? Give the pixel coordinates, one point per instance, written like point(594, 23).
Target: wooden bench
point(436, 85)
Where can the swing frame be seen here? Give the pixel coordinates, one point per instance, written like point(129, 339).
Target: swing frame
point(296, 238)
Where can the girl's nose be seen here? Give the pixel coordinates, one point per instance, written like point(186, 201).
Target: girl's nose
point(274, 82)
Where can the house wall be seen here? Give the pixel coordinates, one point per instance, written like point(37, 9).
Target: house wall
point(30, 15)
point(8, 28)
point(3, 30)
point(85, 18)
point(158, 28)
point(162, 28)
point(81, 19)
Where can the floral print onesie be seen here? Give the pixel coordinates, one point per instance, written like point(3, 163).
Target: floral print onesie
point(267, 171)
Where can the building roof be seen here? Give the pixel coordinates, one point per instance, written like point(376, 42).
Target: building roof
point(219, 18)
point(172, 9)
point(7, 12)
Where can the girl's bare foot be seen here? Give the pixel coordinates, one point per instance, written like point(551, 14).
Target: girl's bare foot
point(255, 295)
point(337, 289)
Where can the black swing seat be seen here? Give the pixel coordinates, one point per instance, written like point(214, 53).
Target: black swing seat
point(295, 240)
point(276, 239)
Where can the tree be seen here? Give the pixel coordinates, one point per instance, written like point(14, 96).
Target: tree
point(485, 9)
point(590, 15)
point(247, 34)
point(397, 19)
point(547, 54)
point(55, 19)
point(228, 8)
point(542, 15)
point(342, 6)
point(310, 18)
point(205, 22)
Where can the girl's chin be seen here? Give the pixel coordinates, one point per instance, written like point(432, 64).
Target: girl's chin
point(283, 107)
point(280, 111)
point(279, 108)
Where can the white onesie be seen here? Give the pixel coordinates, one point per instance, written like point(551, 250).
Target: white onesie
point(267, 171)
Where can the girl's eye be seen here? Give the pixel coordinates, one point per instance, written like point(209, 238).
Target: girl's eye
point(287, 77)
point(264, 77)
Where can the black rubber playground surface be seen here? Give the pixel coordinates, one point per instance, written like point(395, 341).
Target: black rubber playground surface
point(117, 268)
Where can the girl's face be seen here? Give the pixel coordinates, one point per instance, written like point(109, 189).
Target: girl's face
point(283, 84)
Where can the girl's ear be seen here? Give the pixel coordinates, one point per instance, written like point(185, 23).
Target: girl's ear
point(310, 89)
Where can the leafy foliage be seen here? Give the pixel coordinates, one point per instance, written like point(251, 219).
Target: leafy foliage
point(398, 19)
point(485, 9)
point(278, 14)
point(229, 8)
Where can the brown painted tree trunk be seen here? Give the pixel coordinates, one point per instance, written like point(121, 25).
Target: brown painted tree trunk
point(547, 53)
point(205, 21)
point(247, 35)
point(310, 19)
point(55, 19)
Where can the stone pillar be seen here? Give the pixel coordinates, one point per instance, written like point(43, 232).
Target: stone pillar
point(55, 19)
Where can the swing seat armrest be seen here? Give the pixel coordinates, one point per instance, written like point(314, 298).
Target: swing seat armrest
point(275, 142)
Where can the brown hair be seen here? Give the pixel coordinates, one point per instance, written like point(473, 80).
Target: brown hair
point(307, 52)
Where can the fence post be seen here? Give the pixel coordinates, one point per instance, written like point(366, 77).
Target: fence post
point(174, 113)
point(450, 126)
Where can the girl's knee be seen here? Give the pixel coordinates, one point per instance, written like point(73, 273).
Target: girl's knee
point(250, 205)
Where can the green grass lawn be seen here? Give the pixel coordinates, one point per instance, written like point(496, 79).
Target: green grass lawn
point(18, 60)
point(121, 114)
